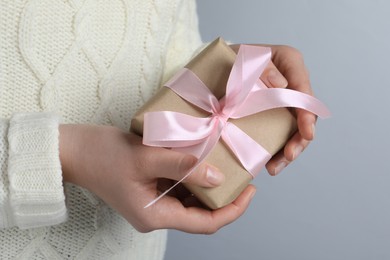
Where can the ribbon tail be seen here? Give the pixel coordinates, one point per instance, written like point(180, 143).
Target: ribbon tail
point(210, 143)
point(265, 99)
point(251, 154)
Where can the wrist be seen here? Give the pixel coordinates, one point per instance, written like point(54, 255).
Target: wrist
point(66, 146)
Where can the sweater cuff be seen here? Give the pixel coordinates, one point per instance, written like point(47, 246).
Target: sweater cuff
point(5, 216)
point(34, 170)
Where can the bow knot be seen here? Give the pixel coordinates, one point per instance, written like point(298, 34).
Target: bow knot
point(221, 117)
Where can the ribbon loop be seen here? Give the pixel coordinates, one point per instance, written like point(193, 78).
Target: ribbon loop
point(175, 132)
point(189, 86)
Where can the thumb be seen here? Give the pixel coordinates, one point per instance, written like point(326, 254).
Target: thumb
point(175, 165)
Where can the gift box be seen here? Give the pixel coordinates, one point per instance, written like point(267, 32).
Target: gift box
point(271, 128)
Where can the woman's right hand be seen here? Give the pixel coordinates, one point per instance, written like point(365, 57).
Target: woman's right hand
point(125, 174)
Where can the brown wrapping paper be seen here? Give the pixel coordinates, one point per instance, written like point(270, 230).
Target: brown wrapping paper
point(271, 128)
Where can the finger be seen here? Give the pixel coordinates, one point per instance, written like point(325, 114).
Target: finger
point(290, 62)
point(298, 78)
point(277, 163)
point(204, 175)
point(272, 77)
point(294, 147)
point(164, 163)
point(305, 119)
point(202, 221)
point(306, 124)
point(159, 162)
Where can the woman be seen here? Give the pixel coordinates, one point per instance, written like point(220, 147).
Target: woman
point(73, 181)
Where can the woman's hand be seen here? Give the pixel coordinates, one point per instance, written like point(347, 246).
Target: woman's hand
point(287, 70)
point(127, 175)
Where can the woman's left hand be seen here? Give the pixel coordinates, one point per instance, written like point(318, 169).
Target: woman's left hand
point(287, 70)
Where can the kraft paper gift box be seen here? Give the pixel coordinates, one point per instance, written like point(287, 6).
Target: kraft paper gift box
point(271, 128)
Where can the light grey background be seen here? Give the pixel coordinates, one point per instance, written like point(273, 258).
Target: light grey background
point(334, 201)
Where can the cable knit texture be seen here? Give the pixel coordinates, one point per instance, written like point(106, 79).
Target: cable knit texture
point(84, 61)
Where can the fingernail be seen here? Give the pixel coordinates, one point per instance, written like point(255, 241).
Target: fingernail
point(214, 176)
point(297, 151)
point(313, 129)
point(276, 79)
point(281, 165)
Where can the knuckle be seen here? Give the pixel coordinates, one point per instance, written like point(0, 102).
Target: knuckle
point(184, 165)
point(185, 162)
point(145, 162)
point(293, 52)
point(142, 162)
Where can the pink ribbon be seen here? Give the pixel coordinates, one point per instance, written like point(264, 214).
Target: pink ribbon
point(245, 95)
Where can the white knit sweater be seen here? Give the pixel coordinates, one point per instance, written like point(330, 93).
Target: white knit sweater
point(77, 61)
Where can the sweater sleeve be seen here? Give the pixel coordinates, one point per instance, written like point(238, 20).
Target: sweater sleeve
point(31, 189)
point(185, 40)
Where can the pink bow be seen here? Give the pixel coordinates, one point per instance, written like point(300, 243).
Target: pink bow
point(245, 95)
